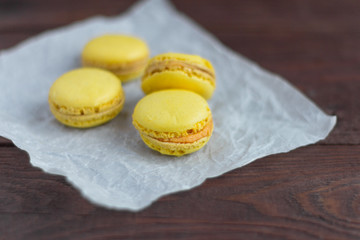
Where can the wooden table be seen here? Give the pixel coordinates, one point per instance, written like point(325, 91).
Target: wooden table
point(310, 193)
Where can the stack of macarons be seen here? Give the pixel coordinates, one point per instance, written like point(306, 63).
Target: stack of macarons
point(173, 118)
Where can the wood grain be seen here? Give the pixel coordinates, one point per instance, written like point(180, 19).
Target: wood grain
point(310, 193)
point(271, 198)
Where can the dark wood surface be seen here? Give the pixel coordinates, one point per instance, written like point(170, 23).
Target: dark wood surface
point(310, 193)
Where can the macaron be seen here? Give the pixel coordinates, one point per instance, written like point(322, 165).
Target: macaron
point(125, 56)
point(86, 97)
point(173, 122)
point(179, 71)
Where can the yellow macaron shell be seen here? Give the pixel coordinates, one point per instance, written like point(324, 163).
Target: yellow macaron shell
point(86, 97)
point(179, 71)
point(171, 111)
point(164, 116)
point(126, 56)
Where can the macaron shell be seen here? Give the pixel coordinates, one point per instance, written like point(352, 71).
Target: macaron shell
point(177, 80)
point(115, 49)
point(171, 111)
point(85, 87)
point(174, 149)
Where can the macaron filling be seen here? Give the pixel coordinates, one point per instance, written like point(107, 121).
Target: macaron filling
point(178, 65)
point(198, 127)
point(120, 68)
point(191, 138)
point(86, 112)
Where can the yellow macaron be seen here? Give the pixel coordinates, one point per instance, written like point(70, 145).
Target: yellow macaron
point(173, 122)
point(125, 56)
point(86, 97)
point(179, 71)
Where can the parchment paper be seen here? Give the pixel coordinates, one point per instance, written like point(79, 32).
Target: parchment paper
point(256, 113)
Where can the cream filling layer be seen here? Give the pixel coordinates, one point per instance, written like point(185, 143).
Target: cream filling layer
point(84, 116)
point(124, 68)
point(191, 138)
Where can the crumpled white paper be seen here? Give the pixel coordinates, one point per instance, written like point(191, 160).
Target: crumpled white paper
point(256, 113)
